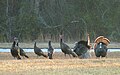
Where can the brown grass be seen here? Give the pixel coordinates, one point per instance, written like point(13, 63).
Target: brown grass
point(60, 65)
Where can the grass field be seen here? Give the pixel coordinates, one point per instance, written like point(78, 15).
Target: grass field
point(60, 65)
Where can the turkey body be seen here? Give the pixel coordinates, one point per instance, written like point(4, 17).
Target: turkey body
point(66, 49)
point(15, 51)
point(22, 52)
point(38, 51)
point(81, 49)
point(100, 50)
point(50, 50)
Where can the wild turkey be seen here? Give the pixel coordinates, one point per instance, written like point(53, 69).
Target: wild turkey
point(38, 51)
point(100, 46)
point(101, 50)
point(81, 49)
point(65, 48)
point(15, 51)
point(50, 50)
point(22, 52)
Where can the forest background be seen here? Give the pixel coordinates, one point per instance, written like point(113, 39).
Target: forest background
point(41, 20)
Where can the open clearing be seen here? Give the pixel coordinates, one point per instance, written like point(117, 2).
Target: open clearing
point(60, 65)
point(55, 45)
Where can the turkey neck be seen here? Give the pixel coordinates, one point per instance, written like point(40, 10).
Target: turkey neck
point(17, 44)
point(35, 44)
point(13, 45)
point(49, 44)
point(61, 42)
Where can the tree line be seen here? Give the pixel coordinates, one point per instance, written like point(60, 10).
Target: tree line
point(31, 20)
